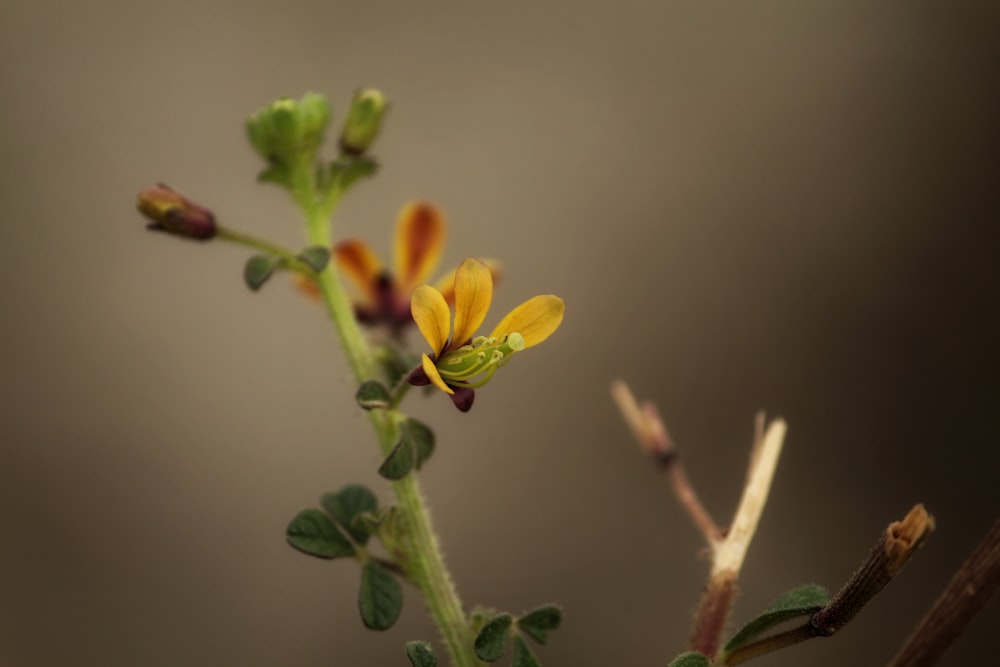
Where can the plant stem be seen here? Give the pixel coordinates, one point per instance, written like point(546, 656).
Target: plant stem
point(424, 564)
point(227, 234)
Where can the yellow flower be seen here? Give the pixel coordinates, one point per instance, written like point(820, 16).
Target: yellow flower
point(460, 363)
point(385, 295)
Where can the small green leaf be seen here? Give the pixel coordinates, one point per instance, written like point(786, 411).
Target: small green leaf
point(492, 638)
point(537, 622)
point(421, 654)
point(347, 505)
point(276, 173)
point(399, 462)
point(258, 270)
point(805, 600)
point(381, 597)
point(523, 657)
point(313, 532)
point(347, 171)
point(690, 659)
point(422, 437)
point(372, 395)
point(316, 257)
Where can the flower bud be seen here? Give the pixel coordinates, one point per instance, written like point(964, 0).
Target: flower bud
point(363, 122)
point(284, 129)
point(169, 211)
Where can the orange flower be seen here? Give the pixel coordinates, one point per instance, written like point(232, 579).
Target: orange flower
point(385, 295)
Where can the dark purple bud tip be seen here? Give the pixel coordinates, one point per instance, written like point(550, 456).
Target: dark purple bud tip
point(463, 398)
point(418, 378)
point(169, 211)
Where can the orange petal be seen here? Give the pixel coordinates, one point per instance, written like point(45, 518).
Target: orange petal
point(473, 295)
point(420, 232)
point(307, 286)
point(360, 264)
point(535, 319)
point(432, 316)
point(431, 371)
point(446, 285)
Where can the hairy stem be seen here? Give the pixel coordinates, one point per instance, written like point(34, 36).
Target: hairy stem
point(425, 566)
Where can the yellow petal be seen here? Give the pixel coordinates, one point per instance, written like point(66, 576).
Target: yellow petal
point(473, 295)
point(535, 319)
point(360, 264)
point(431, 314)
point(420, 231)
point(431, 371)
point(446, 285)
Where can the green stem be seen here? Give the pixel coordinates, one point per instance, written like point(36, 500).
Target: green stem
point(425, 564)
point(289, 256)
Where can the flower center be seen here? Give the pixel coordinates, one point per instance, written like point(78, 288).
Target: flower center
point(483, 355)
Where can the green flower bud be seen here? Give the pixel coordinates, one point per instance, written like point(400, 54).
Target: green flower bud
point(364, 120)
point(171, 212)
point(286, 128)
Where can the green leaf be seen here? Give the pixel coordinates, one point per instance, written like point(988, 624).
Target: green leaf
point(690, 659)
point(258, 270)
point(537, 622)
point(422, 437)
point(276, 173)
point(381, 597)
point(523, 657)
point(399, 462)
point(316, 257)
point(347, 505)
point(491, 639)
point(805, 600)
point(347, 171)
point(314, 533)
point(372, 395)
point(421, 654)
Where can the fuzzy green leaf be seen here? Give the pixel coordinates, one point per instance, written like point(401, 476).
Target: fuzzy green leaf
point(421, 654)
point(691, 659)
point(347, 171)
point(347, 506)
point(314, 533)
point(422, 437)
point(276, 173)
point(380, 598)
point(316, 257)
point(399, 462)
point(805, 600)
point(537, 622)
point(372, 395)
point(491, 639)
point(523, 657)
point(258, 270)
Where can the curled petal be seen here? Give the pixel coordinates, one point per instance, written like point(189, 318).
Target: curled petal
point(473, 295)
point(446, 285)
point(360, 264)
point(420, 232)
point(535, 319)
point(431, 371)
point(431, 314)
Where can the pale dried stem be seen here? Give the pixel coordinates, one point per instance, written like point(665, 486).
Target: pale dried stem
point(650, 432)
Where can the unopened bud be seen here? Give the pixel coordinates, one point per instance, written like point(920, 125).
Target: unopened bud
point(169, 211)
point(363, 122)
point(286, 128)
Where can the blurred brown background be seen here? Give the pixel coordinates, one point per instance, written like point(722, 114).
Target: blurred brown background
point(787, 206)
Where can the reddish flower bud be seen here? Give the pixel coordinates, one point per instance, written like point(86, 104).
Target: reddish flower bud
point(169, 211)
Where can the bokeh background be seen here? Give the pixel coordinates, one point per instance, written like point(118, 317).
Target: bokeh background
point(788, 206)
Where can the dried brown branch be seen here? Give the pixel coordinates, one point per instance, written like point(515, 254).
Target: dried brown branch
point(968, 592)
